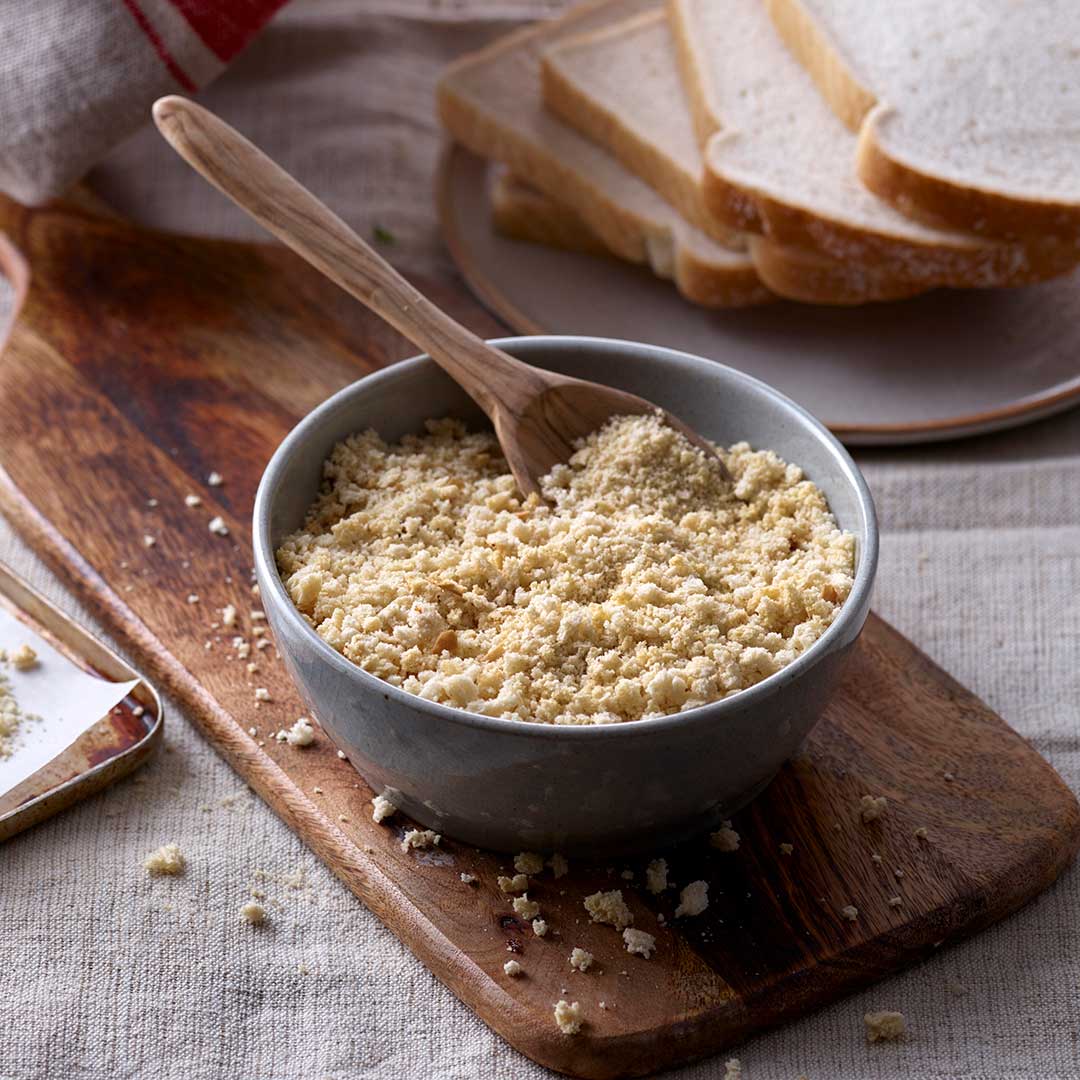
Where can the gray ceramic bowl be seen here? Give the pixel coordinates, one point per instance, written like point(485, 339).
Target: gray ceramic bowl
point(511, 785)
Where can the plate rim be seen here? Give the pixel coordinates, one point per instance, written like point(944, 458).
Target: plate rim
point(1018, 412)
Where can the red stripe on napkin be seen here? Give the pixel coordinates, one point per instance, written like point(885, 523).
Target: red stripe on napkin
point(226, 27)
point(175, 70)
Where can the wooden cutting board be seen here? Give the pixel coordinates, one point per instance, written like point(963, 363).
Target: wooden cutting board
point(142, 362)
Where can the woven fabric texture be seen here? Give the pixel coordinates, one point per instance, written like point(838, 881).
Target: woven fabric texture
point(109, 974)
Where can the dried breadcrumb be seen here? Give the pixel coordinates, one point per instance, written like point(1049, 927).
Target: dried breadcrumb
point(646, 585)
point(540, 927)
point(529, 863)
point(300, 734)
point(526, 908)
point(24, 658)
point(693, 899)
point(420, 839)
point(381, 809)
point(733, 1069)
point(786, 849)
point(656, 876)
point(168, 859)
point(884, 1026)
point(871, 808)
point(638, 942)
point(217, 526)
point(725, 838)
point(11, 718)
point(253, 913)
point(513, 968)
point(519, 883)
point(610, 908)
point(468, 879)
point(850, 912)
point(581, 959)
point(568, 1017)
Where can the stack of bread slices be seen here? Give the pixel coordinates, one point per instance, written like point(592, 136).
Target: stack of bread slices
point(828, 151)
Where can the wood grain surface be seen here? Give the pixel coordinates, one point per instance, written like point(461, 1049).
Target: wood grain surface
point(141, 362)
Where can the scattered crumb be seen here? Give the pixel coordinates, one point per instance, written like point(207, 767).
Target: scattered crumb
point(228, 615)
point(627, 875)
point(896, 901)
point(656, 876)
point(341, 754)
point(343, 818)
point(261, 693)
point(24, 658)
point(193, 598)
point(420, 839)
point(568, 1017)
point(316, 791)
point(192, 500)
point(884, 1026)
point(559, 864)
point(949, 776)
point(529, 863)
point(253, 913)
point(786, 849)
point(215, 479)
point(693, 900)
point(581, 959)
point(217, 526)
point(638, 942)
point(519, 883)
point(168, 859)
point(468, 879)
point(300, 734)
point(253, 731)
point(610, 908)
point(733, 1069)
point(381, 809)
point(921, 833)
point(526, 908)
point(152, 503)
point(148, 541)
point(850, 912)
point(875, 857)
point(138, 711)
point(898, 873)
point(513, 968)
point(871, 808)
point(540, 927)
point(257, 615)
point(725, 838)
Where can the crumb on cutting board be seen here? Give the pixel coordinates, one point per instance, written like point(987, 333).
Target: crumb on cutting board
point(526, 908)
point(519, 883)
point(638, 942)
point(568, 1017)
point(656, 876)
point(420, 839)
point(725, 838)
point(513, 968)
point(528, 862)
point(609, 907)
point(693, 899)
point(381, 809)
point(581, 959)
point(871, 807)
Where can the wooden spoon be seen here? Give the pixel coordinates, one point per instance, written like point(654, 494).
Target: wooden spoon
point(538, 415)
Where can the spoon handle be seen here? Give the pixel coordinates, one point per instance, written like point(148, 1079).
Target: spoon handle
point(287, 209)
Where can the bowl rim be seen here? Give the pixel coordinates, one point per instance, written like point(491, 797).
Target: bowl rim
point(857, 601)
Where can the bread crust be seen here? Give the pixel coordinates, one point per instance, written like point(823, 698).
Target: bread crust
point(522, 213)
point(966, 263)
point(934, 200)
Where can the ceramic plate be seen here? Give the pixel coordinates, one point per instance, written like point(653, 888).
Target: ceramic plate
point(938, 366)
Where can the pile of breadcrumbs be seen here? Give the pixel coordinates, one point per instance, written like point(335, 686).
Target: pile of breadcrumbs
point(649, 585)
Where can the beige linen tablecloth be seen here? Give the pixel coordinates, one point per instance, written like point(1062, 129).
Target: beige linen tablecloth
point(107, 974)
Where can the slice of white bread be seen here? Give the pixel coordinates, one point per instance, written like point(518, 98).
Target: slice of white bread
point(521, 212)
point(778, 161)
point(490, 102)
point(968, 111)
